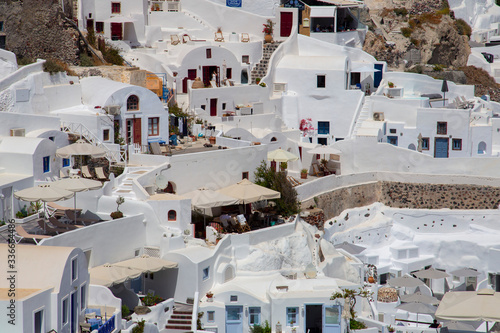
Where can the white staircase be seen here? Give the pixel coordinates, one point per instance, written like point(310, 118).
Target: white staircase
point(124, 186)
point(363, 115)
point(84, 132)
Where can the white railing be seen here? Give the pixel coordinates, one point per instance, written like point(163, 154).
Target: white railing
point(81, 129)
point(194, 318)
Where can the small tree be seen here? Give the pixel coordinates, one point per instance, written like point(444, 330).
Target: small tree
point(349, 296)
point(118, 214)
point(287, 204)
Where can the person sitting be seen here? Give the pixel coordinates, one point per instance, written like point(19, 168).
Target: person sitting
point(173, 139)
point(318, 28)
point(435, 324)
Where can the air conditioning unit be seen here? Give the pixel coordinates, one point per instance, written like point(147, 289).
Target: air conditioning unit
point(17, 132)
point(378, 116)
point(112, 110)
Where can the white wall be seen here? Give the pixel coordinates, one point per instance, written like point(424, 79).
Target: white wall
point(259, 7)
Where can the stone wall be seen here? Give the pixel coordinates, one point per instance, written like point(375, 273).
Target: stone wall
point(406, 195)
point(37, 29)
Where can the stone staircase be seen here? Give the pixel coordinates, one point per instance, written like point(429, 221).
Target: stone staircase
point(260, 69)
point(124, 187)
point(181, 318)
point(363, 115)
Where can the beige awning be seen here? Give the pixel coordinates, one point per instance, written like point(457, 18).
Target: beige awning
point(80, 147)
point(280, 155)
point(470, 306)
point(147, 264)
point(45, 192)
point(206, 198)
point(108, 275)
point(247, 192)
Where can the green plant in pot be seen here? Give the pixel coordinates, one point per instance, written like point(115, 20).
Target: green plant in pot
point(118, 214)
point(303, 174)
point(283, 166)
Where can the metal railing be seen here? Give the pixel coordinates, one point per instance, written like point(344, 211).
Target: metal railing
point(80, 129)
point(108, 326)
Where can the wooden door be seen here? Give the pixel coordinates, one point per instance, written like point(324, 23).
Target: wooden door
point(90, 24)
point(116, 31)
point(206, 76)
point(286, 24)
point(185, 85)
point(213, 107)
point(137, 135)
point(441, 147)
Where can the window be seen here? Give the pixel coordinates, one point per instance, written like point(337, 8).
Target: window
point(291, 316)
point(1, 25)
point(64, 311)
point(172, 215)
point(206, 273)
point(51, 138)
point(244, 175)
point(321, 81)
point(392, 130)
point(393, 140)
point(99, 27)
point(209, 53)
point(38, 322)
point(210, 316)
point(203, 106)
point(154, 126)
point(456, 144)
point(323, 141)
point(46, 164)
point(116, 8)
point(66, 162)
point(229, 73)
point(133, 103)
point(273, 139)
point(425, 143)
point(245, 59)
point(223, 106)
point(254, 315)
point(233, 298)
point(442, 128)
point(481, 147)
point(83, 296)
point(323, 127)
point(74, 269)
point(105, 134)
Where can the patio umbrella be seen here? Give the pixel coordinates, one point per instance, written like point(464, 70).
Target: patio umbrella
point(458, 326)
point(280, 155)
point(45, 193)
point(351, 248)
point(80, 147)
point(418, 297)
point(431, 273)
point(405, 281)
point(465, 272)
point(470, 306)
point(417, 308)
point(108, 275)
point(204, 198)
point(324, 150)
point(247, 192)
point(77, 184)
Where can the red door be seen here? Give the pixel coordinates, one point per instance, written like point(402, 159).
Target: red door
point(137, 131)
point(116, 31)
point(185, 85)
point(286, 24)
point(213, 107)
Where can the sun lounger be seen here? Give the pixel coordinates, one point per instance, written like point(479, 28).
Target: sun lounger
point(58, 210)
point(56, 223)
point(71, 216)
point(243, 223)
point(245, 38)
point(219, 37)
point(49, 229)
point(316, 171)
point(22, 234)
point(86, 172)
point(293, 181)
point(174, 39)
point(99, 172)
point(155, 148)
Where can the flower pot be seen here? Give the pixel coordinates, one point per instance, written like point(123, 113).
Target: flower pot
point(268, 38)
point(212, 140)
point(303, 176)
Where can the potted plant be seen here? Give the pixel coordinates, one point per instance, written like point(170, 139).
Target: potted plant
point(268, 31)
point(210, 297)
point(283, 166)
point(390, 84)
point(303, 174)
point(117, 214)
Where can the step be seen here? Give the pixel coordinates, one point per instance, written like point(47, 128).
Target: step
point(181, 316)
point(177, 312)
point(179, 322)
point(176, 327)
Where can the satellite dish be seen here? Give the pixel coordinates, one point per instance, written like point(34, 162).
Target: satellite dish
point(161, 181)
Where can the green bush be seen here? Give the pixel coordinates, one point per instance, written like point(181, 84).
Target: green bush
point(150, 300)
point(406, 32)
point(140, 327)
point(125, 311)
point(356, 325)
point(91, 37)
point(22, 61)
point(415, 41)
point(437, 68)
point(463, 28)
point(112, 55)
point(53, 66)
point(261, 329)
point(86, 61)
point(287, 204)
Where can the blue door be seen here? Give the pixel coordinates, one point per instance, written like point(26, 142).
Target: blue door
point(234, 319)
point(377, 77)
point(441, 148)
point(393, 140)
point(331, 318)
